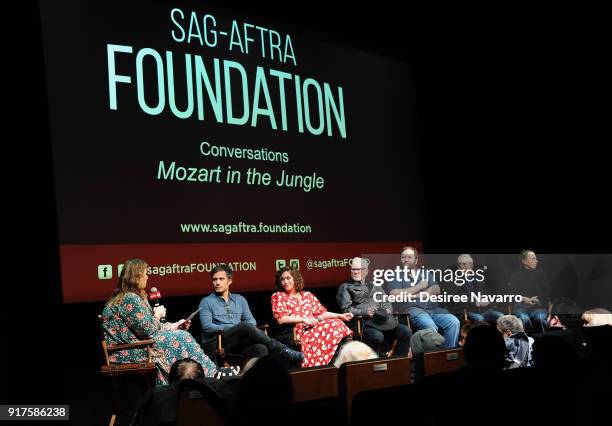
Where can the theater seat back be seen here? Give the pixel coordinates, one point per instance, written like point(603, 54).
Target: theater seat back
point(379, 373)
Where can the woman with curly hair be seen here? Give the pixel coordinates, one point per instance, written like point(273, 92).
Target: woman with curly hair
point(318, 331)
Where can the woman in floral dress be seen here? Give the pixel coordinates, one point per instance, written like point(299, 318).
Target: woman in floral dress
point(128, 317)
point(318, 331)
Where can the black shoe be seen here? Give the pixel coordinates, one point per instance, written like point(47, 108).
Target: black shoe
point(294, 356)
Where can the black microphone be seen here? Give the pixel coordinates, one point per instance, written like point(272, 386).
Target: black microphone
point(155, 297)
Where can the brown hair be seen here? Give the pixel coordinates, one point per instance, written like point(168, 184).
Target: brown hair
point(297, 279)
point(465, 329)
point(414, 249)
point(132, 271)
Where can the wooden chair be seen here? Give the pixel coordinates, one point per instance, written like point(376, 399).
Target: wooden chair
point(314, 383)
point(394, 345)
point(360, 376)
point(116, 372)
point(356, 324)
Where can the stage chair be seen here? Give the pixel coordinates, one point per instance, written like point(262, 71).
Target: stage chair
point(394, 345)
point(314, 383)
point(115, 372)
point(406, 317)
point(378, 373)
point(356, 324)
point(392, 350)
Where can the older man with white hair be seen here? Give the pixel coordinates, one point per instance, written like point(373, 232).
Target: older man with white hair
point(518, 345)
point(476, 311)
point(357, 297)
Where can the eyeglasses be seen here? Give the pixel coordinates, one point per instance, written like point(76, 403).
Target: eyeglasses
point(358, 269)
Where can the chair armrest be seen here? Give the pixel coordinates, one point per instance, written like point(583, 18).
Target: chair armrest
point(139, 344)
point(146, 344)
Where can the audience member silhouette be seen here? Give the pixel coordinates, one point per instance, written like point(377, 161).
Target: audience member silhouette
point(484, 348)
point(519, 346)
point(465, 329)
point(425, 341)
point(265, 394)
point(185, 368)
point(564, 313)
point(159, 406)
point(553, 353)
point(596, 317)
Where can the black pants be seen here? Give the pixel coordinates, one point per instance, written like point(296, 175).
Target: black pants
point(247, 340)
point(381, 341)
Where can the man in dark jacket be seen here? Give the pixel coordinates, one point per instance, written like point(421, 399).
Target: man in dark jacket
point(357, 297)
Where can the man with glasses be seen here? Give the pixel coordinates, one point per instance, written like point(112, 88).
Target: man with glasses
point(229, 312)
point(422, 314)
point(357, 297)
point(476, 311)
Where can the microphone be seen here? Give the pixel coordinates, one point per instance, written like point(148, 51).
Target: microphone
point(154, 297)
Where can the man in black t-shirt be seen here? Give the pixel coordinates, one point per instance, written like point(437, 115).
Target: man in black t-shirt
point(532, 284)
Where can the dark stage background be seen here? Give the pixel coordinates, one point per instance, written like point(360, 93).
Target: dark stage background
point(510, 119)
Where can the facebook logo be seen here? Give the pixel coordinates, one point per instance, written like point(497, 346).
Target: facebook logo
point(105, 272)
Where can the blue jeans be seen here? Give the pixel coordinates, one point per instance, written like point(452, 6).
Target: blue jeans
point(437, 319)
point(534, 321)
point(489, 316)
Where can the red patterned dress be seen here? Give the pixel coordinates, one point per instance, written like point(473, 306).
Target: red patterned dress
point(319, 342)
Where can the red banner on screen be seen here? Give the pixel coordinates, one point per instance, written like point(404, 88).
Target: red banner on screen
point(89, 272)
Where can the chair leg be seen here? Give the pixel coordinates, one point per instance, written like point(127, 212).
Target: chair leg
point(393, 347)
point(116, 402)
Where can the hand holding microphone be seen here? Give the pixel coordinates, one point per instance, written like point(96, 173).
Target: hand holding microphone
point(159, 311)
